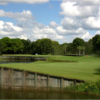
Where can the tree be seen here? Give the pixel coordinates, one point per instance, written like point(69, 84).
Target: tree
point(6, 42)
point(16, 46)
point(70, 49)
point(1, 47)
point(96, 43)
point(83, 48)
point(37, 46)
point(88, 47)
point(55, 46)
point(46, 46)
point(79, 48)
point(43, 46)
point(77, 42)
point(63, 48)
point(26, 46)
point(31, 48)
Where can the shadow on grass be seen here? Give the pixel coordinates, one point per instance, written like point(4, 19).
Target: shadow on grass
point(97, 71)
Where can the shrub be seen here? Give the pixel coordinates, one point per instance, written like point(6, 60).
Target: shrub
point(86, 87)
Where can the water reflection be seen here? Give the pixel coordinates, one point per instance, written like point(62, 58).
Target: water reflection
point(20, 94)
point(13, 62)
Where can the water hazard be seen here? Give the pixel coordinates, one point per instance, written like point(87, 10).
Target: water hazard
point(20, 94)
point(23, 94)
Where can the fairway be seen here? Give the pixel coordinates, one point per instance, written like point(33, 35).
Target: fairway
point(86, 68)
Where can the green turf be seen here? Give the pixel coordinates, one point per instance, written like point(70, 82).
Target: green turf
point(86, 68)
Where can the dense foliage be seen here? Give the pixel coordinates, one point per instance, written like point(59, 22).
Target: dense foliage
point(93, 87)
point(47, 46)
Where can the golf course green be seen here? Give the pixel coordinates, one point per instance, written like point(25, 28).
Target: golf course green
point(85, 67)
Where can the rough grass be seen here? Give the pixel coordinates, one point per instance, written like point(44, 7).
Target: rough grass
point(86, 68)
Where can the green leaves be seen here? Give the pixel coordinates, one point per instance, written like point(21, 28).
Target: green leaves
point(11, 46)
point(78, 42)
point(96, 42)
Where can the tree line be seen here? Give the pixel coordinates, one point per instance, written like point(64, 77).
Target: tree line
point(48, 46)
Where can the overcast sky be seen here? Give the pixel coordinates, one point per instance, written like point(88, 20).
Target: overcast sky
point(61, 21)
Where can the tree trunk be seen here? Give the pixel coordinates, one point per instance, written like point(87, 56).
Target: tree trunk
point(79, 52)
point(83, 52)
point(65, 50)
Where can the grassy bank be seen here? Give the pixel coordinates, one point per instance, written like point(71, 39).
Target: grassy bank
point(86, 68)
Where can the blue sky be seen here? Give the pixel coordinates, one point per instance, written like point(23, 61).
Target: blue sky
point(43, 13)
point(60, 21)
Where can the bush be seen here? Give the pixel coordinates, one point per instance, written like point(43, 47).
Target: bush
point(86, 87)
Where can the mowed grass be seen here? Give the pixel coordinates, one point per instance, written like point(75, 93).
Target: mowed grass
point(86, 68)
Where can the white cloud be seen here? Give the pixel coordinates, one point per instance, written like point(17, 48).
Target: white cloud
point(91, 23)
point(98, 32)
point(45, 32)
point(87, 36)
point(1, 24)
point(53, 24)
point(62, 31)
point(7, 29)
point(24, 36)
point(72, 9)
point(69, 23)
point(23, 16)
point(85, 2)
point(3, 2)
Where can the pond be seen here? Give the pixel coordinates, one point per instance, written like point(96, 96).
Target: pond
point(20, 94)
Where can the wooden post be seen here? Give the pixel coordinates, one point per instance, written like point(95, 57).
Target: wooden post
point(23, 79)
point(48, 82)
point(61, 83)
point(74, 82)
point(35, 80)
point(12, 78)
point(1, 94)
point(1, 77)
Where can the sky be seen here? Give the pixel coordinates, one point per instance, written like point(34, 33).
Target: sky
point(59, 20)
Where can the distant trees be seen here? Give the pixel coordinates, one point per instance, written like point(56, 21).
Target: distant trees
point(79, 48)
point(56, 48)
point(96, 44)
point(88, 47)
point(6, 42)
point(11, 46)
point(77, 42)
point(16, 46)
point(1, 47)
point(43, 46)
point(63, 48)
point(47, 46)
point(26, 46)
point(83, 48)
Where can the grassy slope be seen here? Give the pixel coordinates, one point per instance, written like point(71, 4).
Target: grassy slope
point(83, 69)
